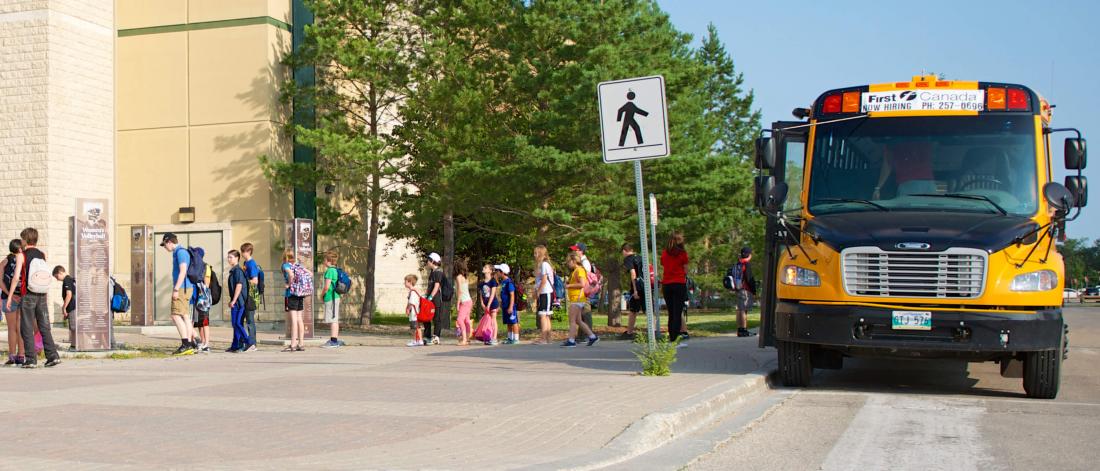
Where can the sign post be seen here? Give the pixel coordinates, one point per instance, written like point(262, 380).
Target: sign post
point(92, 321)
point(141, 275)
point(634, 127)
point(299, 238)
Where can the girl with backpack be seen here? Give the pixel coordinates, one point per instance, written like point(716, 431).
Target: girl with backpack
point(544, 287)
point(16, 354)
point(490, 304)
point(465, 302)
point(578, 301)
point(294, 306)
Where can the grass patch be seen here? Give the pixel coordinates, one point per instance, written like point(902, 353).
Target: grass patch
point(701, 323)
point(659, 360)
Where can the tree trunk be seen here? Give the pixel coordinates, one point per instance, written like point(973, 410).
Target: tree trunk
point(448, 241)
point(614, 292)
point(370, 297)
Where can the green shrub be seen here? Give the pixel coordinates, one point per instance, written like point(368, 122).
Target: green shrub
point(659, 360)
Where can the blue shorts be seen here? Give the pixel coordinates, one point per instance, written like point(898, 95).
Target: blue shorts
point(511, 318)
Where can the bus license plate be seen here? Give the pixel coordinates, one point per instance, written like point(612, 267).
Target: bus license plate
point(912, 320)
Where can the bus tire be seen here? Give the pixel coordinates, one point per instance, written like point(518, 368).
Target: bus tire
point(1042, 373)
point(795, 368)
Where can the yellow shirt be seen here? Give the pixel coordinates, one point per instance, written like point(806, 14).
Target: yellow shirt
point(576, 295)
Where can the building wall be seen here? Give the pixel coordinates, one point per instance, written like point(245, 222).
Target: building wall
point(197, 105)
point(56, 119)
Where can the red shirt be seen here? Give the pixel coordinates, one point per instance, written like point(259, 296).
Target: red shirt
point(674, 267)
point(912, 161)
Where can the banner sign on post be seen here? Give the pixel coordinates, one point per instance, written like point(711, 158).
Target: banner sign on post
point(141, 275)
point(92, 320)
point(299, 237)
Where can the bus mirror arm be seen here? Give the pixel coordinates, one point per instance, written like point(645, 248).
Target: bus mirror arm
point(797, 239)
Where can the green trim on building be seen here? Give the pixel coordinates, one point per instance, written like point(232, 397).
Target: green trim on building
point(258, 20)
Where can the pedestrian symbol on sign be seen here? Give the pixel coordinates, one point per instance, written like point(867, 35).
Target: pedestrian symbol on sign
point(628, 111)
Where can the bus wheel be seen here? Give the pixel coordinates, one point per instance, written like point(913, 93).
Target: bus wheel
point(795, 368)
point(1042, 372)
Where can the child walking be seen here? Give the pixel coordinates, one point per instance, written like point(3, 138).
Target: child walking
point(10, 291)
point(465, 302)
point(490, 304)
point(413, 310)
point(508, 302)
point(238, 285)
point(577, 302)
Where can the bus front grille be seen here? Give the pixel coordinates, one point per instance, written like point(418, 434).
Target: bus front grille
point(955, 273)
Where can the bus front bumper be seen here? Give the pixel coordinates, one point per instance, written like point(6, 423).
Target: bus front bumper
point(861, 329)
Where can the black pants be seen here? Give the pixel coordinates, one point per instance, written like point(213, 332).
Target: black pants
point(442, 318)
point(675, 295)
point(33, 311)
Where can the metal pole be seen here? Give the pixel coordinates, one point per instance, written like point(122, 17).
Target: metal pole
point(656, 269)
point(650, 318)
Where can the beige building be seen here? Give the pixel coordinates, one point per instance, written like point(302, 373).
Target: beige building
point(164, 107)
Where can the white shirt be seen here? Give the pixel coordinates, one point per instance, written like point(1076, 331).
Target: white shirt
point(546, 271)
point(414, 301)
point(586, 264)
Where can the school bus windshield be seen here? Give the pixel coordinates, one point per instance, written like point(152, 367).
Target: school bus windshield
point(978, 164)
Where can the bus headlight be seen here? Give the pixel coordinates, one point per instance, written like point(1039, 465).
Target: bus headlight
point(798, 276)
point(1042, 280)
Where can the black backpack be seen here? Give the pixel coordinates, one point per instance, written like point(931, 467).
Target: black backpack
point(446, 288)
point(215, 289)
point(9, 270)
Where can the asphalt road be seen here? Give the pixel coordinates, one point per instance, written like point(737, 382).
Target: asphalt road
point(921, 415)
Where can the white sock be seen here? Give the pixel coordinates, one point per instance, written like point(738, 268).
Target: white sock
point(590, 337)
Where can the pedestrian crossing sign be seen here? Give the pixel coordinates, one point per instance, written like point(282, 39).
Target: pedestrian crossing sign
point(633, 119)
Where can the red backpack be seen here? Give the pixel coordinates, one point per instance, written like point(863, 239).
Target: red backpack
point(426, 313)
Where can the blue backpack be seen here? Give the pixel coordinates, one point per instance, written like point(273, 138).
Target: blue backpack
point(559, 287)
point(343, 282)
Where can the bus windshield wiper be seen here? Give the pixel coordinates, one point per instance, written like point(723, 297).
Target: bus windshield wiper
point(854, 200)
point(967, 196)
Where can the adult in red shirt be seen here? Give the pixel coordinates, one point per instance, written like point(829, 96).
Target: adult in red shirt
point(674, 261)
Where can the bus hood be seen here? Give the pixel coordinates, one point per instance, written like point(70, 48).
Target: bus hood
point(908, 230)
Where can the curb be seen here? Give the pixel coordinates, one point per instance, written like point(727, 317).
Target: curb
point(659, 428)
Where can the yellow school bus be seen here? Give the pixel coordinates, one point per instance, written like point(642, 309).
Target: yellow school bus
point(917, 219)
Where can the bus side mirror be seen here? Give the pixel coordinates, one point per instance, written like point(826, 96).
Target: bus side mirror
point(762, 184)
point(1058, 197)
point(1076, 153)
point(1078, 186)
point(765, 153)
point(775, 197)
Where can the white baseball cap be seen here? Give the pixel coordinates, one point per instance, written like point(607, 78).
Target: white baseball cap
point(434, 257)
point(504, 268)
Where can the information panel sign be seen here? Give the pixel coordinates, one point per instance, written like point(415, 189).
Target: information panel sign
point(93, 319)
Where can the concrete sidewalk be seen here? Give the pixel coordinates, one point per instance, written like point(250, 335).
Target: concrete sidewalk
point(373, 407)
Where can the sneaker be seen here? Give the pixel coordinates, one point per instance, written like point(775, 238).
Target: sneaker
point(341, 342)
point(29, 366)
point(204, 348)
point(19, 361)
point(10, 362)
point(331, 344)
point(414, 343)
point(435, 340)
point(184, 350)
point(570, 343)
point(592, 341)
point(53, 363)
point(745, 333)
point(628, 335)
point(232, 350)
point(251, 348)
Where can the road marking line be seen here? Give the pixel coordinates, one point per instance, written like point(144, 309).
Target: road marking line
point(899, 432)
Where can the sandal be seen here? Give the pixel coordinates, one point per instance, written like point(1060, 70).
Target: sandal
point(299, 349)
point(288, 349)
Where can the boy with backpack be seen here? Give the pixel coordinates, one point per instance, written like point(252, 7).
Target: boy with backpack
point(68, 301)
point(203, 302)
point(508, 296)
point(739, 280)
point(440, 292)
point(412, 309)
point(332, 299)
point(34, 282)
point(182, 290)
point(255, 277)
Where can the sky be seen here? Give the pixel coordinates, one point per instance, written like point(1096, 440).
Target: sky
point(792, 51)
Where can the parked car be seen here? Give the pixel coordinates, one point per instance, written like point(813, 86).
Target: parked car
point(1068, 294)
point(1094, 291)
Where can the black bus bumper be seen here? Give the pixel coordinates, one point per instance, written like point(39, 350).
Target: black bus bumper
point(954, 334)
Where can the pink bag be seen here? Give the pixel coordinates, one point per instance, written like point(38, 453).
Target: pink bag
point(38, 342)
point(486, 328)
